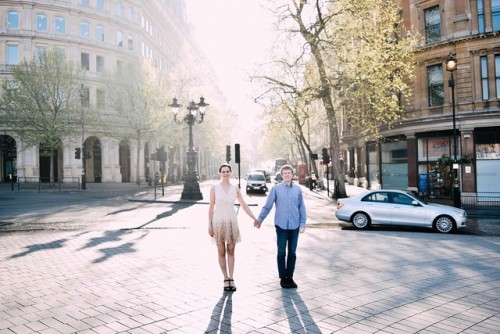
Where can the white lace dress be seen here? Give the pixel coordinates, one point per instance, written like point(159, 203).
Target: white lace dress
point(225, 220)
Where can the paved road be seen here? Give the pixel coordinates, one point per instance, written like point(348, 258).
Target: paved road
point(151, 268)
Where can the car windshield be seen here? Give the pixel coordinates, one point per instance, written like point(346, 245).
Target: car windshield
point(256, 177)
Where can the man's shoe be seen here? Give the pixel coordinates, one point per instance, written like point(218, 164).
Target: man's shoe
point(291, 283)
point(285, 283)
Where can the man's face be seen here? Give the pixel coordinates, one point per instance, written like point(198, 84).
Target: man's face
point(287, 175)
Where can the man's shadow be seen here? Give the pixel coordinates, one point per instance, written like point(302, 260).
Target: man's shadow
point(298, 315)
point(220, 320)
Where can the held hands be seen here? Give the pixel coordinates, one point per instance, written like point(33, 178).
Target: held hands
point(302, 229)
point(256, 223)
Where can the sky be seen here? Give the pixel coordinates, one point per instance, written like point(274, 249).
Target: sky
point(235, 35)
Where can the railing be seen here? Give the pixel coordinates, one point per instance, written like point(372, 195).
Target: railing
point(44, 184)
point(478, 204)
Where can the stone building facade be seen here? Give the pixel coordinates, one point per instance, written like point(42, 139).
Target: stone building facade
point(101, 35)
point(418, 153)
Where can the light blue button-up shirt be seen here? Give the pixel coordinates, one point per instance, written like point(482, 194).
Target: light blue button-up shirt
point(290, 208)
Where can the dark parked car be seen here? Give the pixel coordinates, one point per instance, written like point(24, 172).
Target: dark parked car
point(396, 207)
point(256, 182)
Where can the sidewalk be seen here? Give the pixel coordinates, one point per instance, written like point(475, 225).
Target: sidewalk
point(157, 272)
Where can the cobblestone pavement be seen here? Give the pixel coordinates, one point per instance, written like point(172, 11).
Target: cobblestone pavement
point(157, 272)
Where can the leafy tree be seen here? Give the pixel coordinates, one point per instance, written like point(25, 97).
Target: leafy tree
point(134, 98)
point(353, 54)
point(41, 102)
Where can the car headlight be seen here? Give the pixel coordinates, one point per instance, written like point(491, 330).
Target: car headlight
point(460, 213)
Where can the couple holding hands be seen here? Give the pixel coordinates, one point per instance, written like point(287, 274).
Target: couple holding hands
point(289, 221)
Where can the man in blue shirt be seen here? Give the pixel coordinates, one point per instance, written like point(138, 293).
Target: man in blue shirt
point(289, 220)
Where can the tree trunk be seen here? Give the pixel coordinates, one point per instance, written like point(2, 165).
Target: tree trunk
point(137, 169)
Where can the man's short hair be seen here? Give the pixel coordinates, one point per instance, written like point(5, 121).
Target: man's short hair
point(286, 167)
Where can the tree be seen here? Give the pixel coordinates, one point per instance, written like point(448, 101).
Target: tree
point(359, 57)
point(41, 103)
point(135, 99)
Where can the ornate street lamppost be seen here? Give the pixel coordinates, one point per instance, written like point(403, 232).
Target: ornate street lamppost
point(451, 66)
point(196, 113)
point(82, 151)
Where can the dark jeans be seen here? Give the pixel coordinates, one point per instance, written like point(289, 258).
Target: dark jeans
point(286, 262)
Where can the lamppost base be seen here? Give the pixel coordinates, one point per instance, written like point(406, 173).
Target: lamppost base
point(191, 189)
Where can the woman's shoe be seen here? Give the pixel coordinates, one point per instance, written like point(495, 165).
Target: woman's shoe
point(232, 287)
point(227, 287)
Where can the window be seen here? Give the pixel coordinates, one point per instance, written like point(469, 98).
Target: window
point(13, 19)
point(85, 97)
point(40, 51)
point(99, 33)
point(84, 29)
point(12, 54)
point(85, 3)
point(130, 14)
point(495, 14)
point(60, 25)
point(376, 197)
point(119, 38)
point(119, 66)
point(497, 75)
point(85, 61)
point(432, 25)
point(100, 99)
point(484, 78)
point(130, 43)
point(100, 4)
point(41, 22)
point(99, 63)
point(435, 85)
point(401, 199)
point(119, 8)
point(480, 16)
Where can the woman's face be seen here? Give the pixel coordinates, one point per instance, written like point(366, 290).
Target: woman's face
point(225, 172)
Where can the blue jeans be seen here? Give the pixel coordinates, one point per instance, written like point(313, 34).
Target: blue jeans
point(286, 263)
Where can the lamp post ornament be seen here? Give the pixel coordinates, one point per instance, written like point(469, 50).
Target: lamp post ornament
point(451, 66)
point(195, 114)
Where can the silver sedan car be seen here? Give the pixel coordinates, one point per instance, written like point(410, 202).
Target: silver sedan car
point(396, 207)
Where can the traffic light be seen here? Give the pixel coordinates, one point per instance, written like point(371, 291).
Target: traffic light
point(78, 152)
point(324, 156)
point(237, 153)
point(161, 155)
point(228, 153)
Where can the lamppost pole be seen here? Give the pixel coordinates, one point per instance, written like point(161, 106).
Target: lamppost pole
point(195, 114)
point(451, 66)
point(84, 176)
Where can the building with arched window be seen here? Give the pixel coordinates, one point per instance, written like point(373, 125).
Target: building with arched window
point(101, 35)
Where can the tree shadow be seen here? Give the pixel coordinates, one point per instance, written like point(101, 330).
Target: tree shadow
point(107, 237)
point(40, 247)
point(176, 207)
point(220, 320)
point(299, 318)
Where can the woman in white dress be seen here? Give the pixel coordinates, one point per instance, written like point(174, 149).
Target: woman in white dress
point(223, 222)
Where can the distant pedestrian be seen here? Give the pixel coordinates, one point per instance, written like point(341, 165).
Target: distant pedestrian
point(289, 220)
point(223, 222)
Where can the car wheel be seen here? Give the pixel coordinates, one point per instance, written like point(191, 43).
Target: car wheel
point(444, 224)
point(360, 220)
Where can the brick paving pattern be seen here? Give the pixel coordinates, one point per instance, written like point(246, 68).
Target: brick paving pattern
point(159, 274)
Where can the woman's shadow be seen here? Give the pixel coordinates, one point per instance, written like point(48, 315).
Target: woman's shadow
point(220, 320)
point(299, 318)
